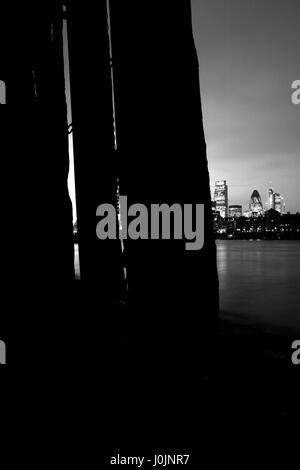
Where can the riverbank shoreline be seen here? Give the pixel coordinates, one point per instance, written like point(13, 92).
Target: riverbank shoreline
point(256, 373)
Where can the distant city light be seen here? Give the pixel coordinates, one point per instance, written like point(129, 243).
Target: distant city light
point(272, 221)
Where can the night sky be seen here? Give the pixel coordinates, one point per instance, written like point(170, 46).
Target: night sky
point(249, 56)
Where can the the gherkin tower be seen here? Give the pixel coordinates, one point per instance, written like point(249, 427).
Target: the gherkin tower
point(255, 205)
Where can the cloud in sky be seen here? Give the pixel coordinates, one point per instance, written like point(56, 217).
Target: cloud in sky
point(248, 60)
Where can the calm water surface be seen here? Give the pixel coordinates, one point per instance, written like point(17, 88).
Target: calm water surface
point(260, 282)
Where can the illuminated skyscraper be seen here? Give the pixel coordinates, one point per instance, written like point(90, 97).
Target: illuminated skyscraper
point(255, 205)
point(271, 198)
point(275, 201)
point(221, 198)
point(235, 211)
point(279, 205)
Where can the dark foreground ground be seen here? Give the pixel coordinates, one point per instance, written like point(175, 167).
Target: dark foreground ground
point(246, 409)
point(256, 371)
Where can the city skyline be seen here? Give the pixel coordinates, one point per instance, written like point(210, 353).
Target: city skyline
point(270, 199)
point(247, 63)
point(223, 205)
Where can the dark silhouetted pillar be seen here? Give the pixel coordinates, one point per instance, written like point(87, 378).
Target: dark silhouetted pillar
point(173, 292)
point(37, 237)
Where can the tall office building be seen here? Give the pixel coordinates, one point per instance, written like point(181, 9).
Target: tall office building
point(235, 211)
point(221, 198)
point(271, 198)
point(255, 205)
point(279, 205)
point(275, 201)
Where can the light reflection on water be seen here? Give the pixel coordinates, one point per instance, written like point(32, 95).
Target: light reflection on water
point(260, 282)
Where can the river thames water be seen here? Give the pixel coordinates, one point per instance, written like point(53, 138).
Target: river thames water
point(260, 283)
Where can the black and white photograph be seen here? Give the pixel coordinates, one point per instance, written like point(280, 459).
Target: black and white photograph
point(150, 235)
